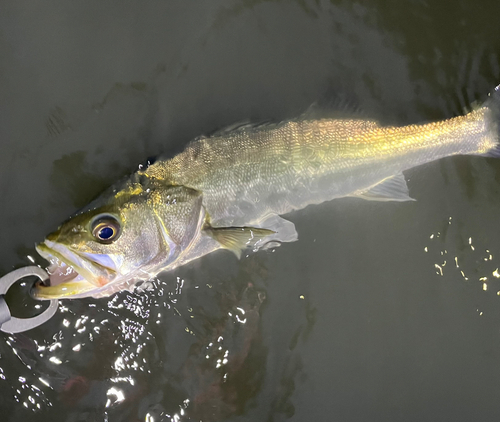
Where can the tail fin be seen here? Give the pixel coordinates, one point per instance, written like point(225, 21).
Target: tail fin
point(493, 120)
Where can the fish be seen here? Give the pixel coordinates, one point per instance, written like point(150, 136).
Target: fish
point(231, 189)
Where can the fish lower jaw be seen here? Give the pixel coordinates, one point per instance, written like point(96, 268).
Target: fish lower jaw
point(68, 290)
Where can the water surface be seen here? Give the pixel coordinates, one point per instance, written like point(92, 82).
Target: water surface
point(380, 312)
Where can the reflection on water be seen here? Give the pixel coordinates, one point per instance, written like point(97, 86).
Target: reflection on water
point(115, 360)
point(463, 256)
point(379, 312)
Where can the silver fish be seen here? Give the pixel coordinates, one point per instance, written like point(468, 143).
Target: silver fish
point(230, 189)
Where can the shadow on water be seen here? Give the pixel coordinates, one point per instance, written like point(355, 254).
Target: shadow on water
point(71, 179)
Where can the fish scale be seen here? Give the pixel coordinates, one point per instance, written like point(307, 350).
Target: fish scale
point(311, 161)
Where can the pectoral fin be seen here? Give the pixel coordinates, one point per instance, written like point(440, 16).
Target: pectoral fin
point(237, 238)
point(391, 189)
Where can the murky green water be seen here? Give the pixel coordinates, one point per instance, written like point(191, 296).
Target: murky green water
point(380, 312)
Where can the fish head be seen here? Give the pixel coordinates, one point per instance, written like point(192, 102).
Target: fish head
point(126, 236)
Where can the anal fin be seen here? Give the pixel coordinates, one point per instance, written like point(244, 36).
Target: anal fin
point(391, 189)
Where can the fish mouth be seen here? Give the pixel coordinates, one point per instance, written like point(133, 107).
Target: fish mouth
point(71, 275)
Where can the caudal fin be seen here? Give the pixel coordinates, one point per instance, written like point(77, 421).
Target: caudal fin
point(493, 104)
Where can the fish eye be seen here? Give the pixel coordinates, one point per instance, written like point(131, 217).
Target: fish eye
point(105, 228)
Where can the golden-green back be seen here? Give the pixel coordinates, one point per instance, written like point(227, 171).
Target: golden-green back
point(250, 172)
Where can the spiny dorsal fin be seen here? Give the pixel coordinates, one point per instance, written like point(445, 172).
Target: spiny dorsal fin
point(237, 238)
point(244, 126)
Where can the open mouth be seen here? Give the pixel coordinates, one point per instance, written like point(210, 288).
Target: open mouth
point(71, 275)
point(60, 272)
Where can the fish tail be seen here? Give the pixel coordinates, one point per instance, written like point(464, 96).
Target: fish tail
point(493, 121)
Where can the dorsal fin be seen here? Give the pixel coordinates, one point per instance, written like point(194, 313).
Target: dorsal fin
point(244, 125)
point(335, 104)
point(335, 107)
